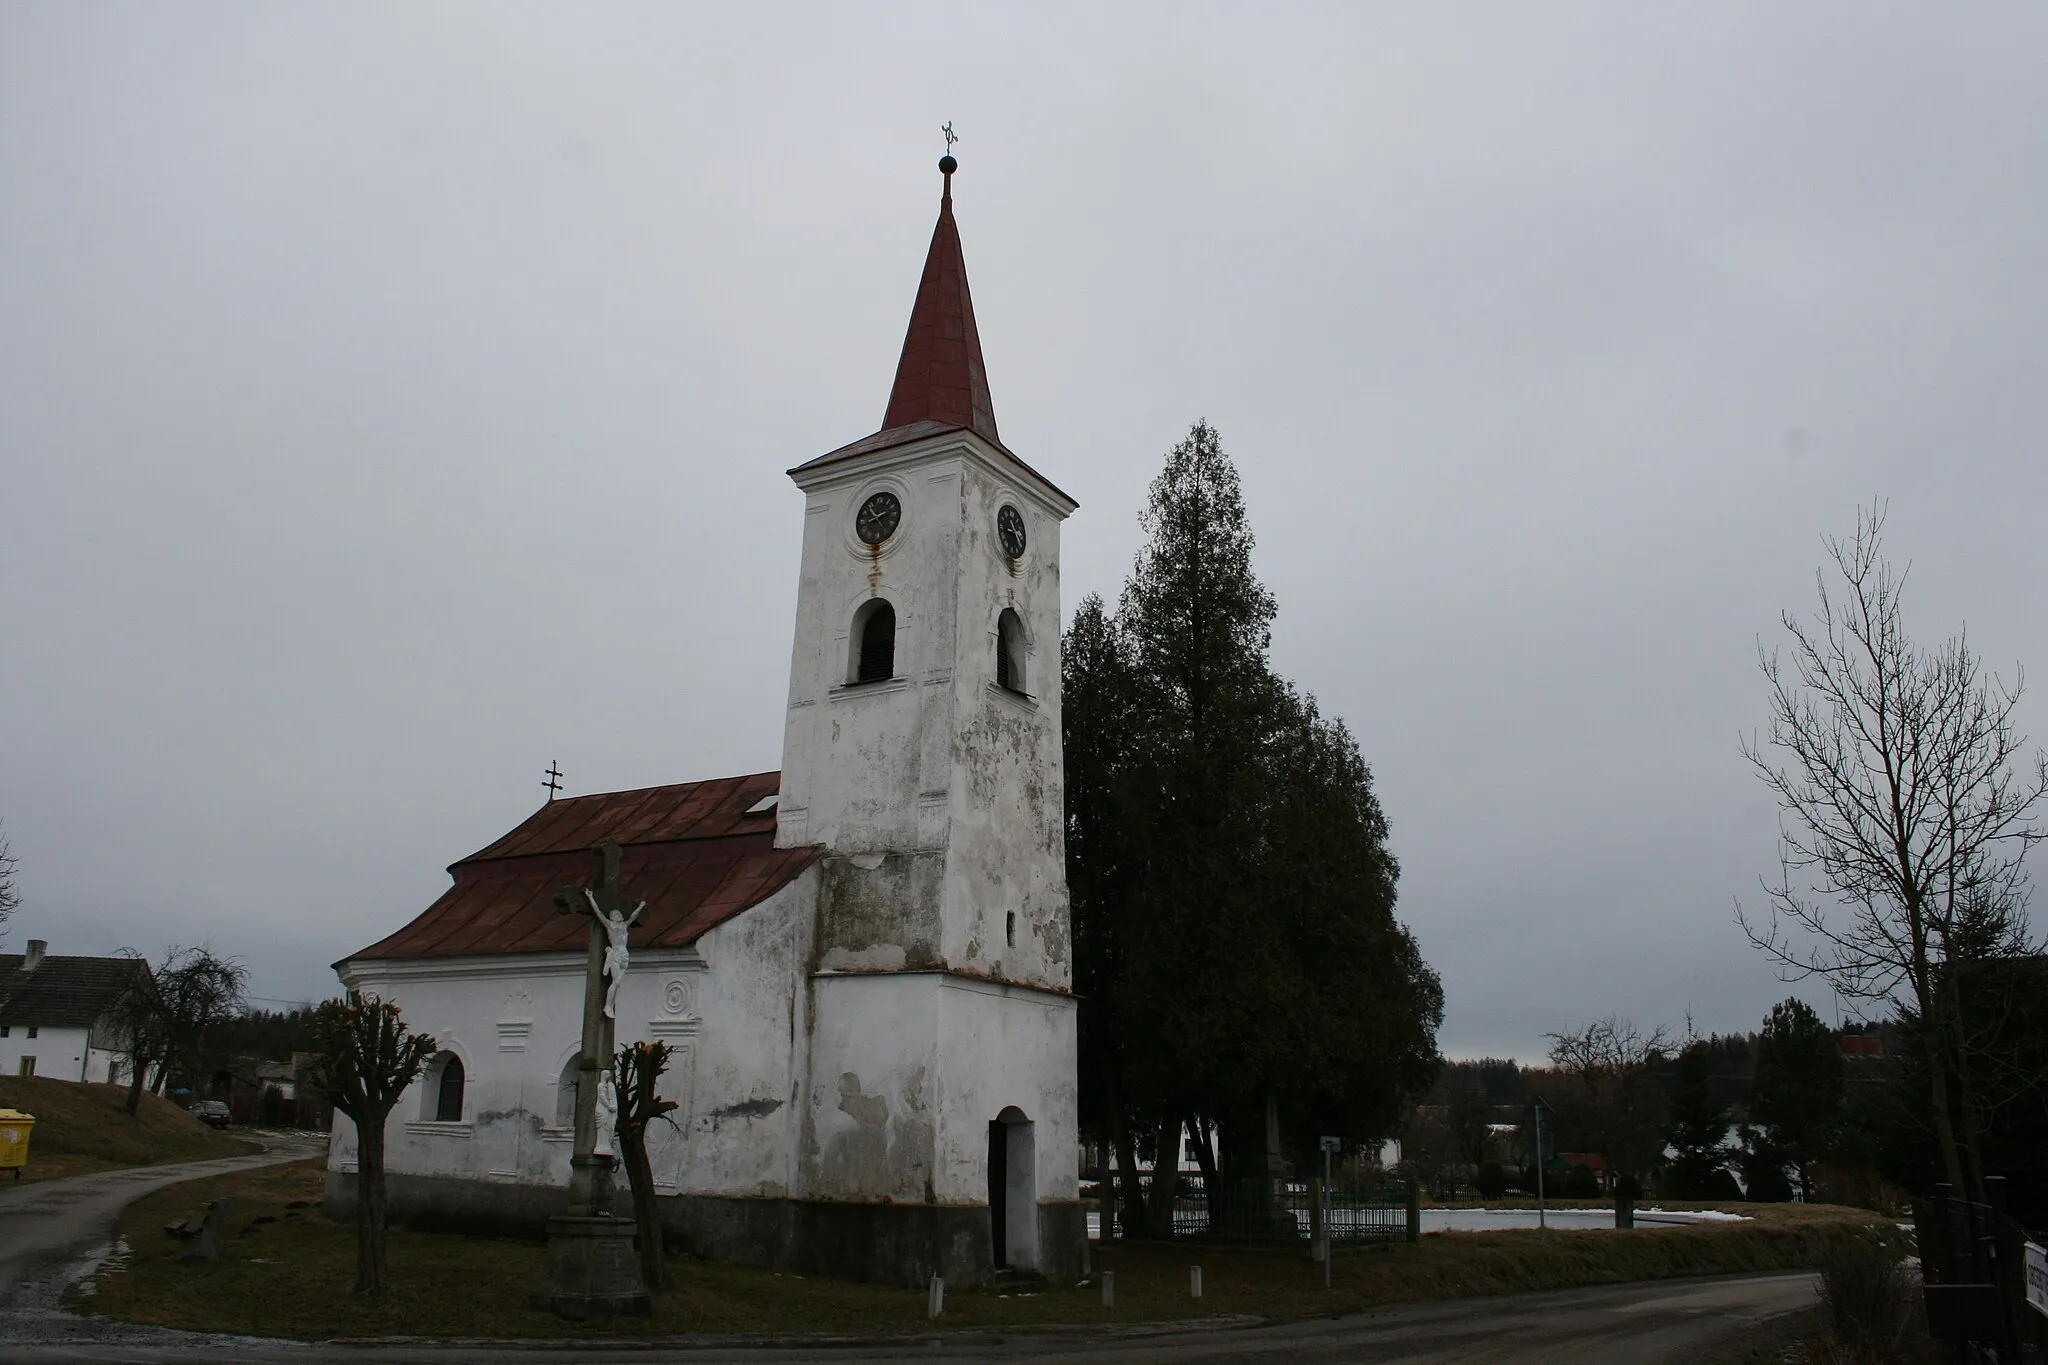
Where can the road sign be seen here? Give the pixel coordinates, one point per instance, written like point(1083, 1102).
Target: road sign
point(1331, 1144)
point(2037, 1277)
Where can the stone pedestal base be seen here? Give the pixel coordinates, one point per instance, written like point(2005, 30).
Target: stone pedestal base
point(593, 1271)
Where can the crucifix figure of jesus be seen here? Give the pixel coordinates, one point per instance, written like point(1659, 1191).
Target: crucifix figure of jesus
point(611, 920)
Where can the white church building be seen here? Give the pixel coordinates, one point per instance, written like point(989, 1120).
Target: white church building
point(862, 960)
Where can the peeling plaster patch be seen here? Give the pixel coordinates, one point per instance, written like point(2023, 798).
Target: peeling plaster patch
point(871, 1111)
point(866, 862)
point(747, 1109)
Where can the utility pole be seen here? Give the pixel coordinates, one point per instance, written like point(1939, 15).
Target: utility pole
point(1541, 1225)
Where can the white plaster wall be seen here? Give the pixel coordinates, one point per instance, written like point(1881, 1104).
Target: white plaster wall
point(874, 1097)
point(938, 759)
point(1001, 1046)
point(61, 1053)
point(1007, 845)
point(729, 1008)
point(909, 1069)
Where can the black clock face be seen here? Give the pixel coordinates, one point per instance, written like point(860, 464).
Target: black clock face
point(1010, 526)
point(878, 518)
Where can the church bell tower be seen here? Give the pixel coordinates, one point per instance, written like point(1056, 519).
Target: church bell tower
point(922, 752)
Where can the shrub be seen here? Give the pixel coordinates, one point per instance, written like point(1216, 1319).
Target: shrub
point(1581, 1183)
point(1767, 1183)
point(1868, 1298)
point(1492, 1180)
point(1723, 1186)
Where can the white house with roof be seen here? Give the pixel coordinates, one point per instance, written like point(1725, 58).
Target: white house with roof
point(862, 959)
point(56, 1014)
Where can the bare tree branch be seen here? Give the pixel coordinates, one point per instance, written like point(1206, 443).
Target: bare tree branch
point(1906, 806)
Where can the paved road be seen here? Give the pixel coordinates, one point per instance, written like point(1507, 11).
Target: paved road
point(1652, 1324)
point(53, 1231)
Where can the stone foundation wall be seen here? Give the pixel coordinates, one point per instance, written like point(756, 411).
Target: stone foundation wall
point(902, 1244)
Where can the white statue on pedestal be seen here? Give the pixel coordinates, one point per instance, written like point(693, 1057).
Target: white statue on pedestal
point(607, 1113)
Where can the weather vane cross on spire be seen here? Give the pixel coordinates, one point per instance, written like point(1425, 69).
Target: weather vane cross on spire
point(951, 136)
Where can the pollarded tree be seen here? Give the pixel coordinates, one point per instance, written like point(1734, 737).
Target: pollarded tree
point(368, 1056)
point(1907, 808)
point(1799, 1089)
point(636, 1071)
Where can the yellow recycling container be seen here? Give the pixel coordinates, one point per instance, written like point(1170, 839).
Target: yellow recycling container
point(15, 1127)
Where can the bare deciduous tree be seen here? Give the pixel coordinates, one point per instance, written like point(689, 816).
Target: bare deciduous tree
point(1615, 1065)
point(1906, 811)
point(166, 1014)
point(10, 899)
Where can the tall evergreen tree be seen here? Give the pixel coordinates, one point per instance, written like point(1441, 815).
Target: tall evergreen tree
point(1235, 945)
point(1797, 1095)
point(1699, 1126)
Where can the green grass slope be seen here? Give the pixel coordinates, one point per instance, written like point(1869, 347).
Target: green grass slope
point(288, 1272)
point(81, 1128)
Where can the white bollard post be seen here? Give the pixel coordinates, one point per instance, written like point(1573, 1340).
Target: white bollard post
point(1109, 1289)
point(1194, 1282)
point(935, 1302)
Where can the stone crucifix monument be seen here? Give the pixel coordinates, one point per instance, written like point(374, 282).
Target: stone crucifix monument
point(593, 1272)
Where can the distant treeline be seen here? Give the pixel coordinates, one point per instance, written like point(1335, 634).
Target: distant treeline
point(273, 1035)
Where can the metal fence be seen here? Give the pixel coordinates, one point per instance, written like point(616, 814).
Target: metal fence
point(1973, 1268)
point(1279, 1212)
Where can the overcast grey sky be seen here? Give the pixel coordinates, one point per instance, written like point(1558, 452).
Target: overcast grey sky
point(394, 398)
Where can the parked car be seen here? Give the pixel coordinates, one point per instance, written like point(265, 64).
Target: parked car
point(212, 1112)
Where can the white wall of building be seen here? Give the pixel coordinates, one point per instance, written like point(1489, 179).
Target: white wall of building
point(63, 1054)
point(938, 763)
point(909, 1070)
point(516, 1022)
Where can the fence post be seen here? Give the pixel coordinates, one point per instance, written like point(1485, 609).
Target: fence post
point(935, 1300)
point(1414, 1210)
point(1109, 1289)
point(1316, 1214)
point(1194, 1282)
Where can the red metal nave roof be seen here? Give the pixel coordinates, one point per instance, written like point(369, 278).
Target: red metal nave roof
point(689, 850)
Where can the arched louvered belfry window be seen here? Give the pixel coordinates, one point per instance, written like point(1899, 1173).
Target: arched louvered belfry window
point(874, 635)
point(1010, 651)
point(448, 1090)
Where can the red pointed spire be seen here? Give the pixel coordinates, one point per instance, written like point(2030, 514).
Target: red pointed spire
point(941, 377)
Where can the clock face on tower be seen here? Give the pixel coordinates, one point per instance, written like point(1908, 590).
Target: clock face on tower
point(878, 518)
point(1010, 527)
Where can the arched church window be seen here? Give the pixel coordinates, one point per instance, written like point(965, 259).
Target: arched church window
point(565, 1093)
point(1010, 650)
point(874, 635)
point(444, 1092)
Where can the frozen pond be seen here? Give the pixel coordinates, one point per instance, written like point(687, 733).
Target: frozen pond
point(1486, 1220)
point(1483, 1220)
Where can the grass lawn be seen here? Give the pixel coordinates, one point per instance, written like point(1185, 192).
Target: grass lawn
point(290, 1277)
point(82, 1128)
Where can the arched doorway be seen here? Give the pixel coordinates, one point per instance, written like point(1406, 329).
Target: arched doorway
point(1013, 1191)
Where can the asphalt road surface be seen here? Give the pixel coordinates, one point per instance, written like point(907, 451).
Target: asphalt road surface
point(53, 1231)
